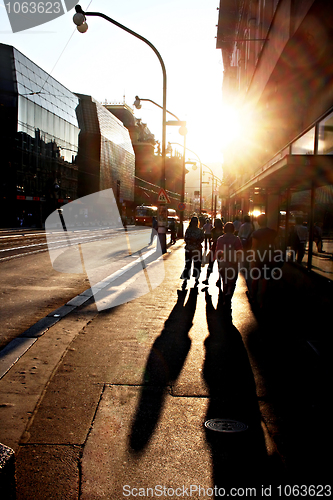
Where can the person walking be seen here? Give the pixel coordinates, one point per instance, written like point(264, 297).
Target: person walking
point(194, 237)
point(245, 231)
point(172, 227)
point(299, 238)
point(318, 236)
point(228, 250)
point(263, 246)
point(245, 235)
point(208, 233)
point(154, 230)
point(237, 224)
point(217, 231)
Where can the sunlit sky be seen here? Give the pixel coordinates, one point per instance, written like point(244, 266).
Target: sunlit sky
point(108, 63)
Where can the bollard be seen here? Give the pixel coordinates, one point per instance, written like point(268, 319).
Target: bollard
point(7, 472)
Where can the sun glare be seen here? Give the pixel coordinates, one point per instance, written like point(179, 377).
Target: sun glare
point(204, 136)
point(231, 127)
point(210, 132)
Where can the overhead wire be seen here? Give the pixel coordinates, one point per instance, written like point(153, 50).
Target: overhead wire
point(50, 74)
point(45, 93)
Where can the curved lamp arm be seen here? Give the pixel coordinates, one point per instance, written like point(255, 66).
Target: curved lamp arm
point(138, 105)
point(107, 18)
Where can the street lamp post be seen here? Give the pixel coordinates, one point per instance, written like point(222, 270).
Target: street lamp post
point(213, 179)
point(217, 179)
point(200, 201)
point(182, 131)
point(80, 20)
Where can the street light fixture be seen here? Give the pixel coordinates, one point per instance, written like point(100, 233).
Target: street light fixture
point(182, 124)
point(137, 102)
point(213, 178)
point(200, 201)
point(79, 19)
point(201, 165)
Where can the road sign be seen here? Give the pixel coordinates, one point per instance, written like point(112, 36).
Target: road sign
point(181, 207)
point(163, 197)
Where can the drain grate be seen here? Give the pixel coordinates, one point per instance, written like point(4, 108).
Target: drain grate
point(225, 425)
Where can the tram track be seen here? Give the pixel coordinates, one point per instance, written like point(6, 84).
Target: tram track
point(31, 287)
point(34, 243)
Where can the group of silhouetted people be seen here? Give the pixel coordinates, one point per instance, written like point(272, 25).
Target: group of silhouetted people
point(230, 248)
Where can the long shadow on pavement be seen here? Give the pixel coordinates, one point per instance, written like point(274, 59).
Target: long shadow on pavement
point(297, 381)
point(239, 458)
point(164, 364)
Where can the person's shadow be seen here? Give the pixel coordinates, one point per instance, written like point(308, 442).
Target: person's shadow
point(164, 364)
point(239, 458)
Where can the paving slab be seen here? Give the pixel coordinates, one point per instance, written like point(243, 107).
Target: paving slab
point(38, 479)
point(111, 466)
point(12, 352)
point(125, 404)
point(24, 384)
point(66, 411)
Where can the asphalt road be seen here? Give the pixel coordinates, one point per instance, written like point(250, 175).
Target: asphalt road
point(31, 287)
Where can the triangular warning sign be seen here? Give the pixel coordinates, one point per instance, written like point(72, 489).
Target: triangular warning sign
point(163, 197)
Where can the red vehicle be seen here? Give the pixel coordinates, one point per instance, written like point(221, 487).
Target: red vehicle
point(144, 215)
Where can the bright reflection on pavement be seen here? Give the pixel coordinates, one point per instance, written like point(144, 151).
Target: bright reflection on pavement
point(87, 236)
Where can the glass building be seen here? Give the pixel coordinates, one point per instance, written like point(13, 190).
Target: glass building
point(56, 145)
point(39, 141)
point(106, 156)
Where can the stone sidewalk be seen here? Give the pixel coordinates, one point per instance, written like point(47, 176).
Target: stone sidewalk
point(106, 403)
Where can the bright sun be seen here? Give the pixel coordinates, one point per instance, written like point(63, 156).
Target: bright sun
point(212, 131)
point(231, 126)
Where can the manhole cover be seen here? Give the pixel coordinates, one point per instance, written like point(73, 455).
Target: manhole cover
point(225, 425)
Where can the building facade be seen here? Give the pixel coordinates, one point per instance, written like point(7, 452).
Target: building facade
point(39, 141)
point(148, 161)
point(106, 157)
point(56, 145)
point(278, 60)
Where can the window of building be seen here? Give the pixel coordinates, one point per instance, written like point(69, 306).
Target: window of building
point(325, 136)
point(305, 144)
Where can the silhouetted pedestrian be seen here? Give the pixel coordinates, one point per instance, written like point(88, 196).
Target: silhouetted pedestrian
point(263, 246)
point(154, 230)
point(245, 232)
point(245, 235)
point(172, 227)
point(318, 236)
point(193, 250)
point(217, 231)
point(208, 233)
point(228, 253)
point(237, 224)
point(298, 239)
